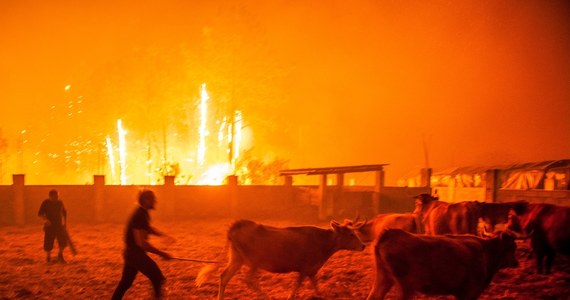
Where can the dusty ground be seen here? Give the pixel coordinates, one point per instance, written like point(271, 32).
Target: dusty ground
point(95, 271)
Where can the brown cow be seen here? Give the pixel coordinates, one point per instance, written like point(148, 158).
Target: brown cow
point(439, 217)
point(459, 265)
point(302, 249)
point(549, 229)
point(368, 230)
point(498, 213)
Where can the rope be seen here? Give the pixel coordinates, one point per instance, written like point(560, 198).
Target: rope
point(197, 260)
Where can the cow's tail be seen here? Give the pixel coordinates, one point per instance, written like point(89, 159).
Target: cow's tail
point(206, 271)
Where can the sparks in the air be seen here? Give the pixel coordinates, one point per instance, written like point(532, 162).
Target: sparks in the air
point(236, 138)
point(202, 129)
point(122, 152)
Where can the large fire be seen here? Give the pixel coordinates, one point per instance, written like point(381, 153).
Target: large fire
point(207, 168)
point(131, 151)
point(347, 83)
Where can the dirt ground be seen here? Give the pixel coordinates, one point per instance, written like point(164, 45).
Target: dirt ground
point(94, 272)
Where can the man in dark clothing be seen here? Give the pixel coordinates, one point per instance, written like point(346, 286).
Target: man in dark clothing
point(54, 215)
point(136, 242)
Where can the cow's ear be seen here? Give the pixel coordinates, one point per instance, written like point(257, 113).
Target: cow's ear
point(334, 225)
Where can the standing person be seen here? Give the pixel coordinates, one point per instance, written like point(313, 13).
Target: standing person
point(136, 242)
point(54, 215)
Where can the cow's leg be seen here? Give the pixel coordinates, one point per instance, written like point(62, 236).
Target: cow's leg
point(379, 290)
point(296, 286)
point(233, 266)
point(549, 260)
point(252, 283)
point(313, 280)
point(539, 258)
point(382, 284)
point(538, 246)
point(406, 293)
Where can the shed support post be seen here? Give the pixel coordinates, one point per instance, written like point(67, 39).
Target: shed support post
point(376, 194)
point(324, 206)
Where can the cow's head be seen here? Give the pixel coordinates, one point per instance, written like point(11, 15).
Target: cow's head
point(423, 200)
point(362, 229)
point(345, 237)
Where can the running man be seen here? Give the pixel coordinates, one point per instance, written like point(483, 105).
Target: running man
point(135, 256)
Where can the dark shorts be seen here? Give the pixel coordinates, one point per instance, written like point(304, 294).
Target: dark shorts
point(51, 233)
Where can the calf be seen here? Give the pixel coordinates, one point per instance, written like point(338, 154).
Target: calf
point(302, 249)
point(458, 265)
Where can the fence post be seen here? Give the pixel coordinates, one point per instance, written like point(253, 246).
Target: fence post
point(169, 180)
point(288, 180)
point(378, 184)
point(324, 205)
point(290, 195)
point(338, 194)
point(18, 200)
point(99, 194)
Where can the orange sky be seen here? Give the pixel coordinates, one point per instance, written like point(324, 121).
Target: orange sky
point(321, 83)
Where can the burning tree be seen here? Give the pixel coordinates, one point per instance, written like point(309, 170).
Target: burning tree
point(254, 171)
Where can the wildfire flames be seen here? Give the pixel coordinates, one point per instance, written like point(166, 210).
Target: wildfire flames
point(438, 84)
point(206, 168)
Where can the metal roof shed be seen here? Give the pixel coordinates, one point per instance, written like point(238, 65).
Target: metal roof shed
point(326, 208)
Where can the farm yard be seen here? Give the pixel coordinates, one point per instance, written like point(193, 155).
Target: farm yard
point(95, 271)
point(441, 115)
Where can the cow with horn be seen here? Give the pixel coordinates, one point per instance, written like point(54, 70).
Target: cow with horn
point(458, 265)
point(301, 249)
point(368, 230)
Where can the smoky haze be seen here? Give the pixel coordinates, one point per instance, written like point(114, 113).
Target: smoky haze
point(321, 83)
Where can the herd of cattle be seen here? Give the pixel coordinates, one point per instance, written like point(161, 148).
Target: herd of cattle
point(439, 249)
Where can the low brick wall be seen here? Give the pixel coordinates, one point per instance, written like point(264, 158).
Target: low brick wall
point(112, 203)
